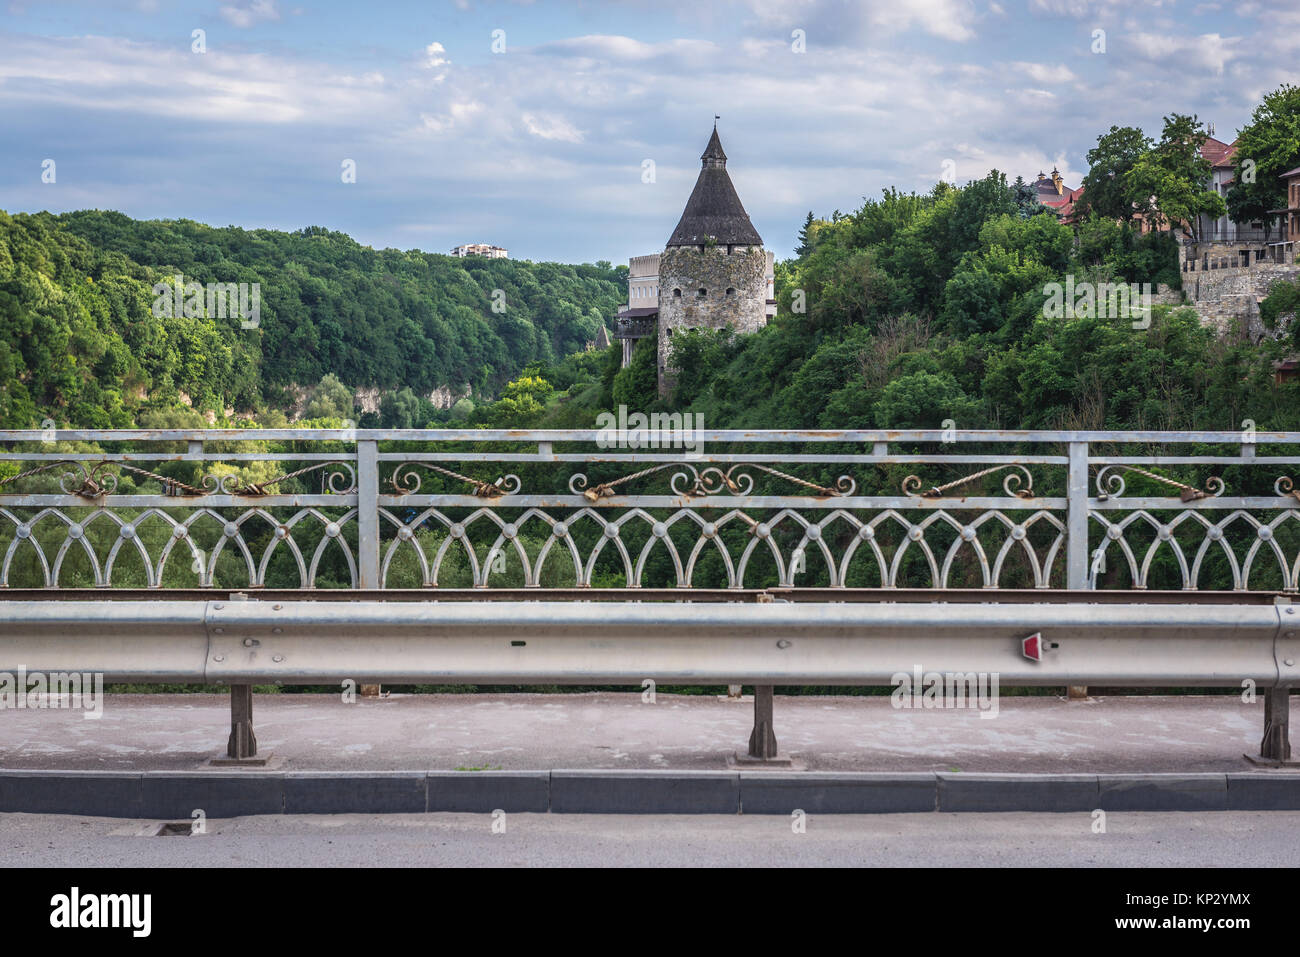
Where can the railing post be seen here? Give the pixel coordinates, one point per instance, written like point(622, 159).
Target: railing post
point(367, 513)
point(242, 744)
point(1076, 534)
point(368, 525)
point(1276, 744)
point(762, 740)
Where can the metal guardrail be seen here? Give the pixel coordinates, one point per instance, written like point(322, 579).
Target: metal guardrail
point(308, 642)
point(243, 642)
point(836, 517)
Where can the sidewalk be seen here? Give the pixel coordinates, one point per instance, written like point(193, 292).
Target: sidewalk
point(1041, 735)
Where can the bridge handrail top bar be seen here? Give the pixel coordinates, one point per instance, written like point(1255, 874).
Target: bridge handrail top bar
point(594, 435)
point(800, 594)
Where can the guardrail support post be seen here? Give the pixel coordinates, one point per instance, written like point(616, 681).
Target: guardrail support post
point(242, 744)
point(1276, 743)
point(762, 741)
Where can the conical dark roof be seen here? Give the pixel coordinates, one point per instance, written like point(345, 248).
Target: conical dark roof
point(714, 211)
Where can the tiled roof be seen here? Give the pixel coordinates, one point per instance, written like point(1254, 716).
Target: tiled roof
point(1218, 152)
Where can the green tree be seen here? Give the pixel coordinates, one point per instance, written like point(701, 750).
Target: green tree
point(1170, 184)
point(1105, 188)
point(1025, 197)
point(1282, 300)
point(923, 400)
point(637, 386)
point(401, 410)
point(522, 402)
point(1267, 147)
point(807, 236)
point(331, 399)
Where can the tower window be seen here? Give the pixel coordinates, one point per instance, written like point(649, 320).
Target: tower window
point(677, 294)
point(731, 290)
point(702, 293)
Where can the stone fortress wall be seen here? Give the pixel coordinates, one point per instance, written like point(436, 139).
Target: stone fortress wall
point(710, 287)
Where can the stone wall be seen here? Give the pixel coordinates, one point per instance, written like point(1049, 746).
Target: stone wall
point(713, 269)
point(1223, 297)
point(1165, 296)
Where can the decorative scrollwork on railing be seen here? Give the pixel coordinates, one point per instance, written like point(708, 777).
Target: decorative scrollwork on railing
point(91, 480)
point(91, 483)
point(1284, 486)
point(1110, 484)
point(407, 482)
point(690, 482)
point(224, 482)
point(578, 483)
point(844, 485)
point(1010, 484)
point(712, 481)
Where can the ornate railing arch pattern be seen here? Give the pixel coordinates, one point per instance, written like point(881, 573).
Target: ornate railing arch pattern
point(735, 510)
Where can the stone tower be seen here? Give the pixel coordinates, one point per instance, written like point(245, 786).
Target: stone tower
point(713, 272)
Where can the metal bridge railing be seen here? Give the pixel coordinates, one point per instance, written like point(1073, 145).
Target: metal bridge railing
point(719, 518)
point(293, 508)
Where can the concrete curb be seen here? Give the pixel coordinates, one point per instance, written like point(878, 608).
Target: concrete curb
point(227, 793)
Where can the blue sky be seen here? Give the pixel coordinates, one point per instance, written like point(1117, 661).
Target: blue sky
point(540, 148)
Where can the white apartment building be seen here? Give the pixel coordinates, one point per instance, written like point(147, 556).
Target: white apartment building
point(480, 249)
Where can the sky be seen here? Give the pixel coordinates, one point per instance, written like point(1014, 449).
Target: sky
point(572, 131)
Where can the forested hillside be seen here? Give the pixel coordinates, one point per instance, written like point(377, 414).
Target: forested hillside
point(922, 309)
point(910, 311)
point(919, 309)
point(79, 342)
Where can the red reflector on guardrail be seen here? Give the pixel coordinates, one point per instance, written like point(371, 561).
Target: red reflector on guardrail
point(1035, 646)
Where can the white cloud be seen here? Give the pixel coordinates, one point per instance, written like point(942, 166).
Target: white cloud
point(620, 49)
point(1062, 8)
point(456, 115)
point(868, 106)
point(435, 55)
point(1045, 74)
point(1209, 51)
point(244, 15)
point(551, 128)
point(831, 22)
point(124, 76)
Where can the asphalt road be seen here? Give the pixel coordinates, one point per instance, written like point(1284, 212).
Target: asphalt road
point(1254, 839)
